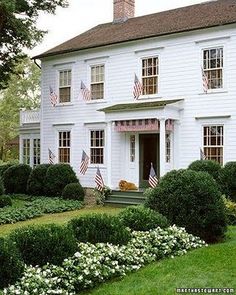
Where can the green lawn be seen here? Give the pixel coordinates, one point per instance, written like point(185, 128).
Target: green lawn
point(58, 218)
point(213, 267)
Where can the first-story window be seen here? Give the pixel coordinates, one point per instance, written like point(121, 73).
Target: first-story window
point(97, 143)
point(36, 151)
point(65, 86)
point(64, 147)
point(97, 82)
point(132, 148)
point(168, 147)
point(150, 75)
point(26, 151)
point(213, 142)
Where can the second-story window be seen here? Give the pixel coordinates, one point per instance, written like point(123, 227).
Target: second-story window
point(150, 75)
point(97, 82)
point(64, 147)
point(65, 86)
point(213, 67)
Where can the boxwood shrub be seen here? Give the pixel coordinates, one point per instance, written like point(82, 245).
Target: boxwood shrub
point(230, 211)
point(100, 228)
point(139, 218)
point(11, 264)
point(1, 186)
point(15, 179)
point(228, 180)
point(46, 243)
point(5, 201)
point(36, 181)
point(73, 191)
point(191, 199)
point(211, 167)
point(57, 177)
point(3, 168)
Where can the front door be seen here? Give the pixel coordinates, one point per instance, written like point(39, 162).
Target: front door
point(148, 147)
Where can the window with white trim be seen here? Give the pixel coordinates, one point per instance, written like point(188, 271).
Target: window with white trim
point(65, 86)
point(36, 151)
point(150, 71)
point(64, 146)
point(97, 143)
point(97, 81)
point(213, 142)
point(168, 147)
point(213, 60)
point(26, 151)
point(132, 148)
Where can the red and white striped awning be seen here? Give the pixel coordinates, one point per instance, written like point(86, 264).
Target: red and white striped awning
point(142, 125)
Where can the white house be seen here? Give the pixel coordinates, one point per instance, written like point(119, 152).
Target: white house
point(174, 54)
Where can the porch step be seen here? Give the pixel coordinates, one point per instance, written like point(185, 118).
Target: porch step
point(127, 198)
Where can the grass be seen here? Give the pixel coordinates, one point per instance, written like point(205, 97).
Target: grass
point(213, 267)
point(57, 218)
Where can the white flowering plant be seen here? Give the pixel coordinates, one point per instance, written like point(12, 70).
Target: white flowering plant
point(95, 263)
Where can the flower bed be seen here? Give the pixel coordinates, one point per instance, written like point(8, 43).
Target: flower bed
point(38, 207)
point(93, 264)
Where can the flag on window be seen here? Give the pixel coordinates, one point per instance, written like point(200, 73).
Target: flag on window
point(202, 155)
point(51, 156)
point(138, 87)
point(153, 181)
point(205, 82)
point(53, 97)
point(99, 180)
point(86, 94)
point(84, 163)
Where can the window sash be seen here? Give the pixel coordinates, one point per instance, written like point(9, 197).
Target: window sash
point(26, 151)
point(97, 143)
point(97, 81)
point(150, 73)
point(65, 86)
point(168, 148)
point(132, 148)
point(64, 146)
point(36, 151)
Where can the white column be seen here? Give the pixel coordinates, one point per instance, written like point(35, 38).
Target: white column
point(176, 145)
point(109, 152)
point(162, 146)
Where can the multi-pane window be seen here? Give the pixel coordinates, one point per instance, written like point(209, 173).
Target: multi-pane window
point(65, 86)
point(168, 148)
point(36, 151)
point(150, 75)
point(97, 143)
point(213, 142)
point(64, 147)
point(132, 148)
point(97, 82)
point(26, 151)
point(213, 67)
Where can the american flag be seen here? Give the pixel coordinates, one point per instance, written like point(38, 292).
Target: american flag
point(153, 181)
point(205, 82)
point(99, 180)
point(138, 87)
point(86, 94)
point(84, 163)
point(202, 155)
point(53, 97)
point(51, 156)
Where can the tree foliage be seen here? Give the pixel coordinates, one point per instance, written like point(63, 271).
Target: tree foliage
point(18, 30)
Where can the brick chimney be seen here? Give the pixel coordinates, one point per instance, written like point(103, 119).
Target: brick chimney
point(123, 9)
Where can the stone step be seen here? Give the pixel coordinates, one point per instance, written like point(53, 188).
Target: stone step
point(127, 193)
point(118, 203)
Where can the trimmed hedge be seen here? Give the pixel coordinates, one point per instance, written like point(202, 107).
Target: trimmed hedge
point(73, 191)
point(192, 200)
point(3, 168)
point(228, 180)
point(230, 211)
point(5, 201)
point(211, 167)
point(15, 179)
point(100, 228)
point(36, 181)
point(39, 245)
point(1, 187)
point(11, 264)
point(139, 218)
point(57, 177)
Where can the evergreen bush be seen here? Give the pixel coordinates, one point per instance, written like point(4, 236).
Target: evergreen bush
point(139, 218)
point(57, 177)
point(73, 191)
point(36, 181)
point(5, 201)
point(1, 187)
point(3, 168)
point(39, 245)
point(228, 180)
point(15, 179)
point(100, 228)
point(192, 200)
point(211, 167)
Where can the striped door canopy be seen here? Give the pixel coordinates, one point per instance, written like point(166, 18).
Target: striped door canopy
point(142, 125)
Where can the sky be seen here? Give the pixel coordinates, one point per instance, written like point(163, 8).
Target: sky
point(82, 15)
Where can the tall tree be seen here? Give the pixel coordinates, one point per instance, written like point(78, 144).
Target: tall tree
point(18, 30)
point(23, 92)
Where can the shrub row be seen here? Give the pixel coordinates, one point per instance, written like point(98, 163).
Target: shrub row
point(5, 201)
point(36, 208)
